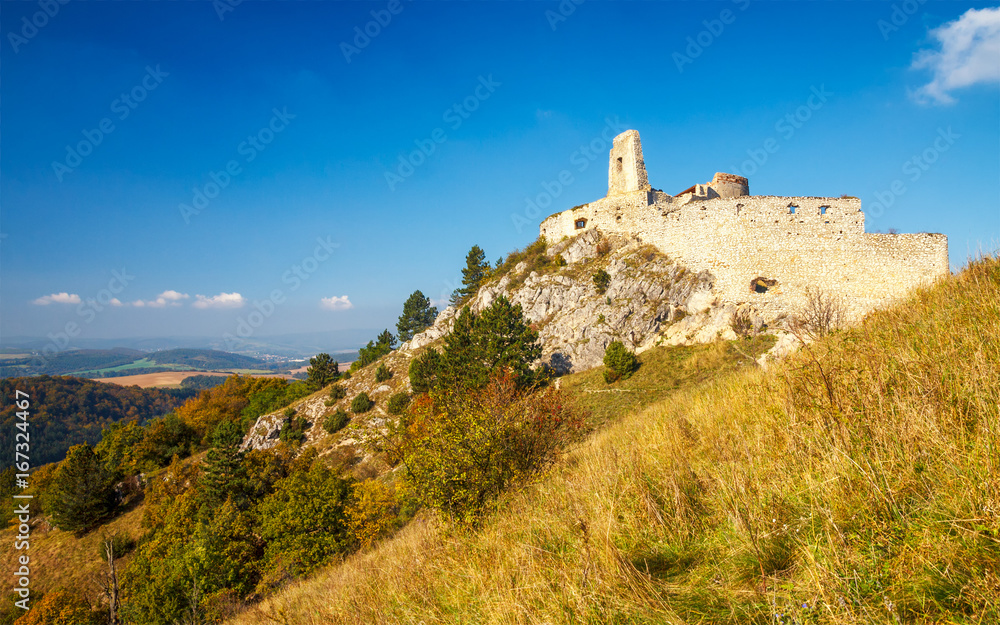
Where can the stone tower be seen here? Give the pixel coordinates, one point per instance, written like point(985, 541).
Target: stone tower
point(626, 169)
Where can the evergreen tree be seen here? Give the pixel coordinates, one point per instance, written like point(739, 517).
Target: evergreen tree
point(496, 338)
point(322, 371)
point(382, 345)
point(223, 474)
point(386, 341)
point(424, 371)
point(476, 267)
point(81, 494)
point(417, 315)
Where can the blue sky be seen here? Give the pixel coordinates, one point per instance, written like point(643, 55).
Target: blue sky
point(201, 169)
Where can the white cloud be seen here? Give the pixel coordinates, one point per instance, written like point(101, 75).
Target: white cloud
point(115, 301)
point(222, 300)
point(57, 298)
point(167, 298)
point(969, 55)
point(337, 302)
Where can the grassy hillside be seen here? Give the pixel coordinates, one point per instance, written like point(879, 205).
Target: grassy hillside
point(857, 482)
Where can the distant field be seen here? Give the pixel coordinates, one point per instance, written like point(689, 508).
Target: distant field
point(171, 378)
point(144, 363)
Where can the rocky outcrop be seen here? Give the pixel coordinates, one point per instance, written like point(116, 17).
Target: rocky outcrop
point(650, 300)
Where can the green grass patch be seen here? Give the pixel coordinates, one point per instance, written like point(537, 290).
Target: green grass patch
point(662, 370)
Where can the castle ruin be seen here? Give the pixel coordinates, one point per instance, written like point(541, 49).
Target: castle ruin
point(764, 250)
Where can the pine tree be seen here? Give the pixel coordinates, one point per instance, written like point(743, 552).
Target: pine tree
point(386, 341)
point(81, 494)
point(222, 472)
point(476, 267)
point(417, 315)
point(322, 371)
point(479, 344)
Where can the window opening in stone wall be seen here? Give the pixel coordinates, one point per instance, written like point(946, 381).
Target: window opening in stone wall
point(791, 210)
point(761, 284)
point(581, 223)
point(619, 164)
point(822, 210)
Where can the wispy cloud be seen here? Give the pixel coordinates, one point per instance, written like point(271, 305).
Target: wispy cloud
point(969, 54)
point(222, 300)
point(57, 298)
point(337, 302)
point(167, 298)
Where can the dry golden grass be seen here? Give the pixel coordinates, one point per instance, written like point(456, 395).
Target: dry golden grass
point(858, 482)
point(61, 560)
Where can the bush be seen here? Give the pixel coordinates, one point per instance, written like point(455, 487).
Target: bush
point(398, 403)
point(383, 373)
point(821, 314)
point(362, 403)
point(742, 323)
point(602, 279)
point(337, 391)
point(335, 422)
point(293, 430)
point(460, 461)
point(620, 362)
point(372, 512)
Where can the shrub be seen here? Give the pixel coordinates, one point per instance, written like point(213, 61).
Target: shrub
point(620, 362)
point(361, 403)
point(603, 247)
point(335, 422)
point(821, 314)
point(559, 260)
point(460, 461)
point(293, 430)
point(742, 323)
point(289, 412)
point(397, 403)
point(383, 373)
point(601, 280)
point(372, 512)
point(337, 391)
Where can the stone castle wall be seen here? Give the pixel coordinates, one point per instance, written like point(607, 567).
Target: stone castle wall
point(821, 244)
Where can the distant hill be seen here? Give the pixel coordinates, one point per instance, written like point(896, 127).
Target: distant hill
point(206, 359)
point(66, 411)
point(123, 361)
point(67, 361)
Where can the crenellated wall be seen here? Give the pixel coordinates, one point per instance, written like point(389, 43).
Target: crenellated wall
point(821, 243)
